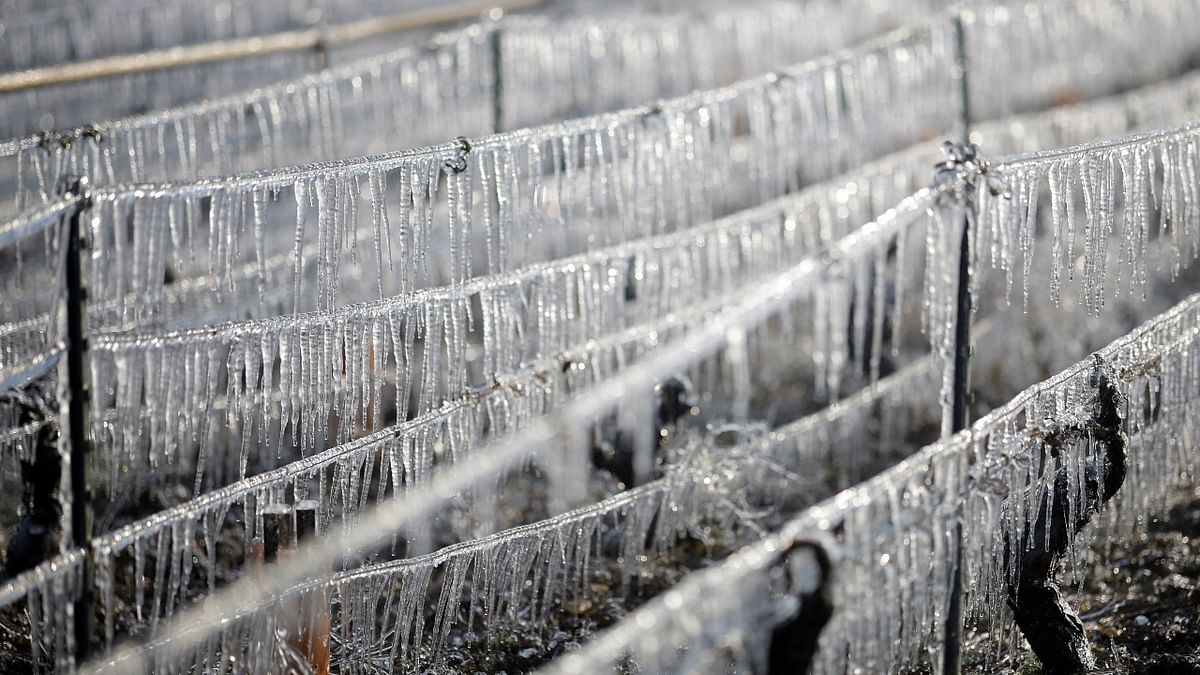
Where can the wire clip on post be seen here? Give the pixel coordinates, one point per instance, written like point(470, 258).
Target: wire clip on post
point(74, 399)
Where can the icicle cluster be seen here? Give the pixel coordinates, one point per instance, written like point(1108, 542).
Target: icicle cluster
point(1138, 201)
point(828, 217)
point(200, 205)
point(922, 506)
point(465, 340)
point(1155, 369)
point(806, 448)
point(406, 98)
point(410, 97)
point(1071, 51)
point(166, 547)
point(832, 209)
point(1156, 106)
point(342, 479)
point(516, 578)
point(543, 193)
point(410, 355)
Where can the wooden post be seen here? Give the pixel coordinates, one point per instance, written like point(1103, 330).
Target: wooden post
point(316, 623)
point(279, 531)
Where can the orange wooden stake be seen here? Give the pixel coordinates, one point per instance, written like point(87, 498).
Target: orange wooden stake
point(315, 622)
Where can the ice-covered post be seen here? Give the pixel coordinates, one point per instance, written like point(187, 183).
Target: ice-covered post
point(74, 392)
point(961, 389)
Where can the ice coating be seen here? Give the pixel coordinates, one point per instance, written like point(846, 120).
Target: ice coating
point(320, 262)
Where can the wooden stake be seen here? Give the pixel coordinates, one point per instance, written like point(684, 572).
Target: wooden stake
point(315, 621)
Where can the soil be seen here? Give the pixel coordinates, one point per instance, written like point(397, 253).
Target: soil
point(1145, 618)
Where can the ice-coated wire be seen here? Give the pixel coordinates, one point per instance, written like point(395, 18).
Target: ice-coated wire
point(504, 205)
point(832, 440)
point(1151, 107)
point(406, 449)
point(408, 456)
point(574, 151)
point(877, 188)
point(816, 426)
point(38, 220)
point(407, 97)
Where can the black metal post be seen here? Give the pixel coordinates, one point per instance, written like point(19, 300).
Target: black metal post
point(497, 80)
point(962, 319)
point(78, 395)
point(960, 405)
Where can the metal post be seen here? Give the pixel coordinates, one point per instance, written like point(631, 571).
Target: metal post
point(497, 81)
point(78, 394)
point(960, 405)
